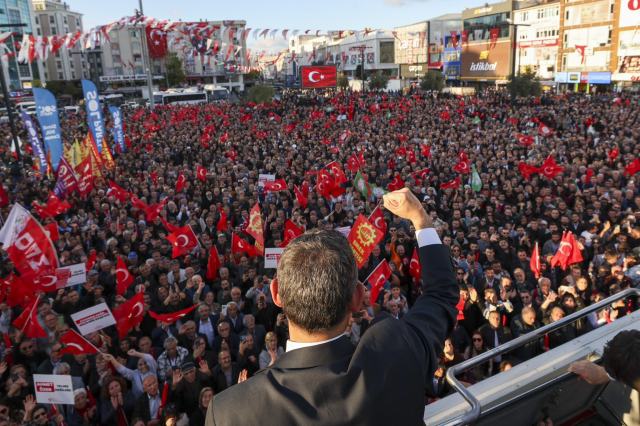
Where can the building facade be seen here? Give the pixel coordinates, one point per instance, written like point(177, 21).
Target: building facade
point(451, 67)
point(52, 18)
point(537, 31)
point(19, 76)
point(374, 51)
point(626, 41)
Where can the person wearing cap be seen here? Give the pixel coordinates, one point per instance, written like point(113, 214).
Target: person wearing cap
point(187, 383)
point(177, 274)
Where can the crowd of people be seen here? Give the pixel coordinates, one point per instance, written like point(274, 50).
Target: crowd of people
point(236, 329)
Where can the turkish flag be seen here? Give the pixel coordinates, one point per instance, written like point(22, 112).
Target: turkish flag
point(401, 151)
point(213, 264)
point(289, 128)
point(129, 314)
point(415, 270)
point(550, 169)
point(75, 344)
point(425, 150)
point(181, 182)
point(43, 211)
point(85, 182)
point(123, 277)
point(325, 183)
point(445, 115)
point(222, 223)
point(411, 157)
point(300, 198)
point(239, 245)
point(361, 159)
point(326, 141)
point(613, 154)
point(91, 261)
point(353, 164)
point(377, 220)
point(463, 165)
point(291, 232)
point(525, 140)
point(335, 150)
point(377, 279)
point(182, 241)
point(576, 254)
point(424, 173)
point(363, 237)
point(173, 317)
point(527, 170)
point(28, 321)
point(316, 77)
point(338, 174)
point(632, 168)
point(494, 33)
point(153, 211)
point(52, 231)
point(367, 119)
point(118, 192)
point(402, 138)
point(56, 205)
point(156, 42)
point(534, 263)
point(307, 126)
point(246, 117)
point(453, 184)
point(275, 186)
point(545, 130)
point(225, 137)
point(392, 164)
point(563, 254)
point(590, 173)
point(4, 198)
point(201, 173)
point(396, 184)
point(169, 227)
point(136, 203)
point(46, 279)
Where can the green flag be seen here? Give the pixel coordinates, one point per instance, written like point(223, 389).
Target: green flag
point(476, 183)
point(476, 120)
point(389, 114)
point(361, 185)
point(80, 125)
point(378, 192)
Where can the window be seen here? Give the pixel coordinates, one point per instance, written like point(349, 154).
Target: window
point(84, 64)
point(59, 65)
point(77, 23)
point(15, 18)
point(523, 35)
point(54, 31)
point(38, 31)
point(37, 21)
point(566, 15)
point(564, 62)
point(387, 49)
point(52, 19)
point(46, 76)
point(57, 54)
point(71, 65)
point(524, 16)
point(117, 71)
point(73, 75)
point(84, 74)
point(64, 19)
point(134, 33)
point(66, 30)
point(60, 76)
point(565, 42)
point(500, 21)
point(135, 46)
point(24, 70)
point(115, 46)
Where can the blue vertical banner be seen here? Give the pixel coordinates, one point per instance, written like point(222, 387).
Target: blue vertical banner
point(118, 133)
point(47, 112)
point(38, 150)
point(94, 112)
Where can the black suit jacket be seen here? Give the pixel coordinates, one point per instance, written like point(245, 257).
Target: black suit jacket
point(350, 382)
point(488, 335)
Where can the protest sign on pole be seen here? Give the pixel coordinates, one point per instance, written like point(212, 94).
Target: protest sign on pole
point(93, 319)
point(53, 389)
point(272, 257)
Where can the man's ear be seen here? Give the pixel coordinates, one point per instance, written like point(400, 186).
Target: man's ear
point(356, 299)
point(275, 293)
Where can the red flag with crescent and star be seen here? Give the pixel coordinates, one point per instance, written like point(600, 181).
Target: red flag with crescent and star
point(316, 77)
point(75, 344)
point(291, 232)
point(173, 317)
point(525, 140)
point(238, 245)
point(201, 173)
point(275, 186)
point(377, 279)
point(28, 321)
point(550, 169)
point(182, 241)
point(396, 184)
point(123, 277)
point(377, 220)
point(452, 184)
point(463, 165)
point(129, 314)
point(181, 182)
point(214, 264)
point(534, 263)
point(414, 266)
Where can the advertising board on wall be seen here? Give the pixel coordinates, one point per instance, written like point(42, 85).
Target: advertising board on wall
point(480, 62)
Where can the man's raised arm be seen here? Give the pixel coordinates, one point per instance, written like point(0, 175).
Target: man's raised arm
point(434, 314)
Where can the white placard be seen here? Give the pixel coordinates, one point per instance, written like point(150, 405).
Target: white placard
point(93, 319)
point(78, 274)
point(265, 178)
point(344, 230)
point(272, 257)
point(52, 389)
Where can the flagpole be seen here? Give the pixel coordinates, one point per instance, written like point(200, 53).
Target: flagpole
point(30, 313)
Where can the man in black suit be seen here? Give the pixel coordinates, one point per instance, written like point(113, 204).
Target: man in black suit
point(494, 334)
point(148, 403)
point(349, 381)
point(523, 324)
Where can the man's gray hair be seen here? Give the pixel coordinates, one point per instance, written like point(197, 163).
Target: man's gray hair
point(169, 341)
point(61, 367)
point(317, 275)
point(244, 320)
point(543, 279)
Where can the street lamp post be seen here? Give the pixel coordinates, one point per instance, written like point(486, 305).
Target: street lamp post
point(361, 49)
point(513, 63)
point(146, 60)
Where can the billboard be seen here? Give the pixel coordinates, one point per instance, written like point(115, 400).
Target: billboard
point(319, 77)
point(479, 62)
point(629, 13)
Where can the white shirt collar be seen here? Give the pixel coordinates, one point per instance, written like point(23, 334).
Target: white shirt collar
point(291, 345)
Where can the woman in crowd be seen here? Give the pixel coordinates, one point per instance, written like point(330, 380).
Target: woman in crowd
point(271, 350)
point(117, 402)
point(478, 347)
point(198, 417)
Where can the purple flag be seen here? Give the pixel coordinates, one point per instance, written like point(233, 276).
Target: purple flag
point(35, 142)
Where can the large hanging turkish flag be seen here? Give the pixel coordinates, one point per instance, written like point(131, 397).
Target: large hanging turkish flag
point(157, 42)
point(316, 77)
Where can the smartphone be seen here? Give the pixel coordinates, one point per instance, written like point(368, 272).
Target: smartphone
point(564, 288)
point(198, 343)
point(617, 228)
point(357, 315)
point(243, 337)
point(224, 310)
point(15, 378)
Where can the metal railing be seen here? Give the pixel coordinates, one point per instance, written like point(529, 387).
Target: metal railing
point(476, 408)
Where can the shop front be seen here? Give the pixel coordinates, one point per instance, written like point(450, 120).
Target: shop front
point(586, 82)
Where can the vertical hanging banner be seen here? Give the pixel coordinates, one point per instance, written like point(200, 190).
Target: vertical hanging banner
point(94, 112)
point(47, 112)
point(38, 150)
point(118, 133)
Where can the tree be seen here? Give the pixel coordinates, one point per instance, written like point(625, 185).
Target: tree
point(261, 93)
point(253, 75)
point(70, 89)
point(527, 84)
point(432, 80)
point(343, 81)
point(378, 81)
point(55, 87)
point(175, 73)
point(36, 83)
point(358, 73)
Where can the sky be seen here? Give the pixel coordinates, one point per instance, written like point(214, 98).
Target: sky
point(282, 14)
